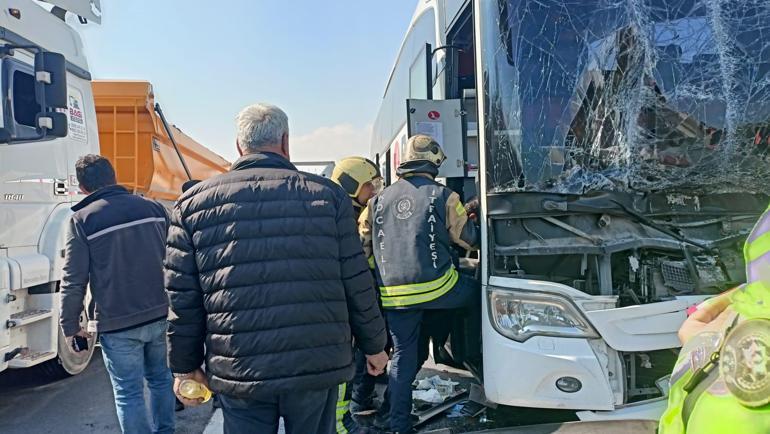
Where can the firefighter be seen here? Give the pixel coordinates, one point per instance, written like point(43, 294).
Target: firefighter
point(361, 180)
point(721, 382)
point(408, 231)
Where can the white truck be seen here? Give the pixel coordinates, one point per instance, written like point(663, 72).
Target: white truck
point(52, 113)
point(619, 150)
point(37, 178)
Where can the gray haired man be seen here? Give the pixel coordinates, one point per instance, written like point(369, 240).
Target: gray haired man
point(264, 265)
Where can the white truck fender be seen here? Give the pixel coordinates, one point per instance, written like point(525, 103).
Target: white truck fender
point(53, 238)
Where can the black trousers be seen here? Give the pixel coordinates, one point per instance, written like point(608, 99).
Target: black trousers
point(303, 411)
point(411, 348)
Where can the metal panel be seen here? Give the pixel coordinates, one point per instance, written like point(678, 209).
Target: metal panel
point(452, 9)
point(442, 120)
point(16, 39)
point(5, 312)
point(31, 269)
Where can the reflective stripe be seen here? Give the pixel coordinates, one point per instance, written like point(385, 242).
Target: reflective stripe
point(416, 288)
point(758, 247)
point(460, 209)
point(752, 300)
point(422, 297)
point(125, 225)
point(761, 227)
point(342, 408)
point(372, 263)
point(341, 390)
point(341, 428)
point(758, 268)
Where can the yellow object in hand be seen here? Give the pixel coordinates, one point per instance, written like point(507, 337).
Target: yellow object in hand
point(191, 389)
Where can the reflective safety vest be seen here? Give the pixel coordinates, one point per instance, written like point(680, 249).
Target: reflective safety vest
point(411, 243)
point(731, 389)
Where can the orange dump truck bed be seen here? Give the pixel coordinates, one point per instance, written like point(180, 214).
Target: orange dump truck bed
point(133, 138)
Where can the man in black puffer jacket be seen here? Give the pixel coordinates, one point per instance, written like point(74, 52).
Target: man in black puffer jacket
point(265, 267)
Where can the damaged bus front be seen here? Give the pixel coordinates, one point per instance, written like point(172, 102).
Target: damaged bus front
point(624, 159)
point(620, 151)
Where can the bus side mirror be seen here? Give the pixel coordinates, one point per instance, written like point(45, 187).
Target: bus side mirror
point(51, 78)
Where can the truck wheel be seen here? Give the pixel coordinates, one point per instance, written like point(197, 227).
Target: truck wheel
point(68, 362)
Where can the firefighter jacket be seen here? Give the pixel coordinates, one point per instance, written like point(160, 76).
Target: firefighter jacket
point(407, 231)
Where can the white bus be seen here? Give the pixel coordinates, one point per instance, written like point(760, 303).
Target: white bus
point(619, 151)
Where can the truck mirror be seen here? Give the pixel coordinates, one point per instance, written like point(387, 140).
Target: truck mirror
point(51, 80)
point(5, 136)
point(52, 124)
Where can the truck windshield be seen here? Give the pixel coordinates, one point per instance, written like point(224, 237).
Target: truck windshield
point(650, 95)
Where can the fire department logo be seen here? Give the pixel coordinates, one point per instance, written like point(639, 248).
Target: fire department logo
point(744, 364)
point(404, 208)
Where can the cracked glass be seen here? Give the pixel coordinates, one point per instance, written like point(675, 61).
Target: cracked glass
point(626, 95)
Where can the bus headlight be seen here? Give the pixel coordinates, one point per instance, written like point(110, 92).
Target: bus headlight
point(519, 315)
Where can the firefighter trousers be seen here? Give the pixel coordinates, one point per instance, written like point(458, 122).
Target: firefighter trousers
point(405, 325)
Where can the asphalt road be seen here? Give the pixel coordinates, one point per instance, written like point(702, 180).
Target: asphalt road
point(75, 405)
point(84, 404)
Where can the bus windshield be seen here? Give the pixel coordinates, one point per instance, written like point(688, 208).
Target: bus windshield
point(648, 95)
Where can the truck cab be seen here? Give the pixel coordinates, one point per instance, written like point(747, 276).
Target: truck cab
point(52, 114)
point(37, 181)
point(619, 153)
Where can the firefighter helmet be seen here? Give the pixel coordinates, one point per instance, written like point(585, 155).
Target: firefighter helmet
point(353, 173)
point(423, 148)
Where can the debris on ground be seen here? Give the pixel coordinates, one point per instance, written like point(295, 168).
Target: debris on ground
point(430, 396)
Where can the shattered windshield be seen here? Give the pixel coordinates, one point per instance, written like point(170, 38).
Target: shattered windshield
point(585, 95)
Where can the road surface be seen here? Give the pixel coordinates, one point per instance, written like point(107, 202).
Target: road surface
point(84, 404)
point(81, 404)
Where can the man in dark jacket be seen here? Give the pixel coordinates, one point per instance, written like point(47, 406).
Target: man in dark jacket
point(264, 266)
point(116, 243)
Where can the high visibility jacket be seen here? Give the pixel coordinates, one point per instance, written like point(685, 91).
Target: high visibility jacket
point(716, 408)
point(407, 231)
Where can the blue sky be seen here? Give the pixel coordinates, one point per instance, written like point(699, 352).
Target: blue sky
point(324, 62)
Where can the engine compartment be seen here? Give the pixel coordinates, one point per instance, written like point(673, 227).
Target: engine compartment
point(642, 249)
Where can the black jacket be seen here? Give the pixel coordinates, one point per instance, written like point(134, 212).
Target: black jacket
point(116, 242)
point(264, 265)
